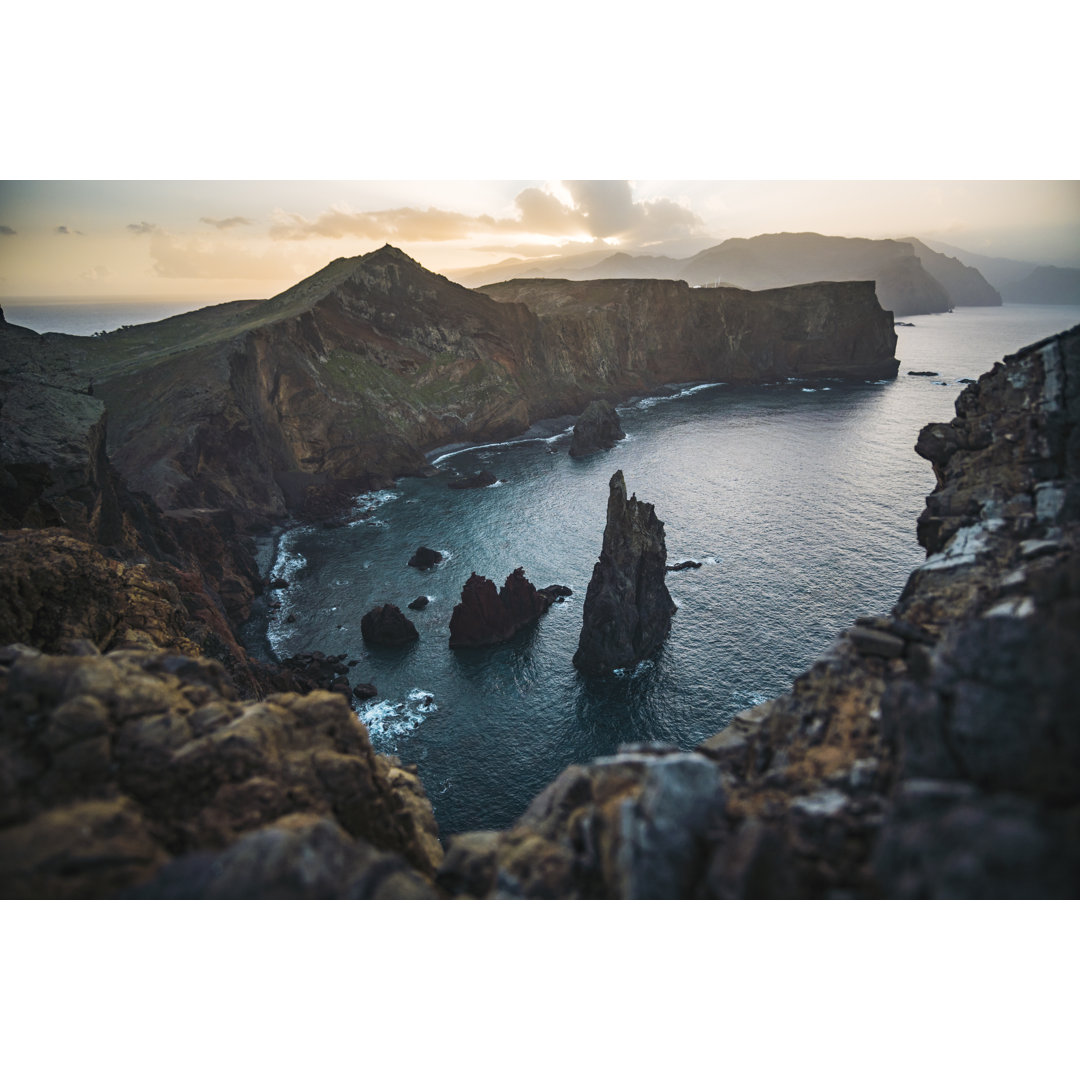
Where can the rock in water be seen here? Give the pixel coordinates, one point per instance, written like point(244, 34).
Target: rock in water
point(481, 479)
point(425, 558)
point(597, 428)
point(627, 607)
point(486, 617)
point(387, 625)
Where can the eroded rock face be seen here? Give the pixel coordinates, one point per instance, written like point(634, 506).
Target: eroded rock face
point(291, 405)
point(628, 609)
point(597, 428)
point(112, 766)
point(930, 753)
point(485, 616)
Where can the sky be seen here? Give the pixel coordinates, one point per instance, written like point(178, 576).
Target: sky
point(231, 239)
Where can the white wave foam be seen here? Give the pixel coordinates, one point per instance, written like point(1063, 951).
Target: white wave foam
point(808, 390)
point(387, 720)
point(640, 668)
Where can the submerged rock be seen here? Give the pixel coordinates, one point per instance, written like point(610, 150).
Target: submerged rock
point(597, 428)
point(481, 479)
point(425, 558)
point(627, 606)
point(486, 616)
point(388, 626)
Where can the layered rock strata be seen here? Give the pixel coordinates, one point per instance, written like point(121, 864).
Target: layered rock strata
point(933, 752)
point(597, 428)
point(628, 609)
point(486, 616)
point(343, 382)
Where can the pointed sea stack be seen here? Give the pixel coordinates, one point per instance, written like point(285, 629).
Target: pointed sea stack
point(627, 607)
point(486, 617)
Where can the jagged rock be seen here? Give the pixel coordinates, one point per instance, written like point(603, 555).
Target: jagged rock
point(387, 626)
point(481, 479)
point(425, 558)
point(627, 612)
point(112, 766)
point(688, 564)
point(556, 593)
point(485, 616)
point(597, 428)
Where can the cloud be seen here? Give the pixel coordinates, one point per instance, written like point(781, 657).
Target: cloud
point(208, 256)
point(143, 228)
point(597, 208)
point(227, 223)
point(63, 230)
point(6, 230)
point(98, 273)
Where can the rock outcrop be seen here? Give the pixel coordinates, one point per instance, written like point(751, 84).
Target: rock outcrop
point(486, 616)
point(627, 612)
point(290, 405)
point(424, 558)
point(933, 752)
point(143, 769)
point(387, 626)
point(597, 428)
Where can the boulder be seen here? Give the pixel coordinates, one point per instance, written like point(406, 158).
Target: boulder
point(419, 603)
point(597, 428)
point(628, 609)
point(387, 626)
point(485, 616)
point(425, 558)
point(481, 479)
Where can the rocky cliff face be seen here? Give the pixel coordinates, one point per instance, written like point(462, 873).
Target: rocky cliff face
point(628, 609)
point(343, 382)
point(933, 752)
point(964, 284)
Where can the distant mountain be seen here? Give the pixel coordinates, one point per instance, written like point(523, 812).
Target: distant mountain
point(911, 278)
point(1046, 285)
point(1000, 273)
point(964, 284)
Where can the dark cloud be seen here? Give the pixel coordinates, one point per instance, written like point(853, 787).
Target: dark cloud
point(62, 230)
point(598, 209)
point(6, 230)
point(143, 228)
point(227, 223)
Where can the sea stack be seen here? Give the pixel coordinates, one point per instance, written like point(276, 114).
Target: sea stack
point(627, 607)
point(486, 616)
point(597, 428)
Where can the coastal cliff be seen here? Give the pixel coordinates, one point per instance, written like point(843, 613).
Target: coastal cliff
point(343, 382)
point(932, 752)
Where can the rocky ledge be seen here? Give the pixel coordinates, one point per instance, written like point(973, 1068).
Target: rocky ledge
point(142, 772)
point(933, 752)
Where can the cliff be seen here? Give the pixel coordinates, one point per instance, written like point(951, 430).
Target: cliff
point(964, 284)
point(628, 609)
point(344, 381)
point(933, 752)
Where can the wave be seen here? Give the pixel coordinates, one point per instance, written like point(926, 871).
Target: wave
point(387, 721)
point(365, 505)
point(521, 441)
point(288, 565)
point(655, 399)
